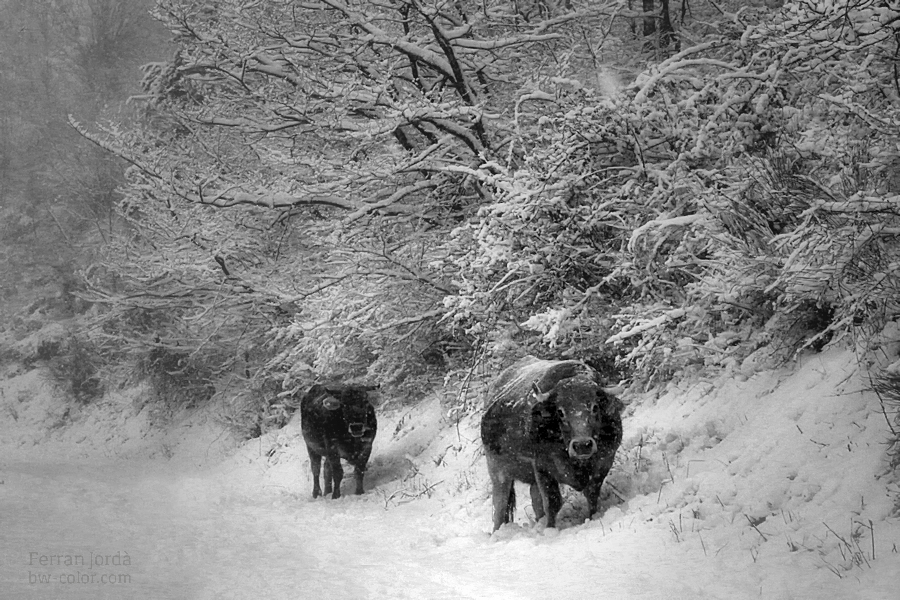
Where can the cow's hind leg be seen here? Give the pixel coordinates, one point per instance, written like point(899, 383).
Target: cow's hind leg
point(503, 492)
point(511, 503)
point(537, 501)
point(315, 465)
point(504, 500)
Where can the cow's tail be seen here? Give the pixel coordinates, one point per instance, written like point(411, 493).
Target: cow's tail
point(511, 505)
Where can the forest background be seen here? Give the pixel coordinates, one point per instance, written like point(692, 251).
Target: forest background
point(234, 199)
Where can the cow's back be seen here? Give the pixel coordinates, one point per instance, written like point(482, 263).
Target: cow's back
point(514, 385)
point(506, 424)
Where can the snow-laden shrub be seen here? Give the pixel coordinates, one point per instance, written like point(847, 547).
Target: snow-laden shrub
point(738, 195)
point(886, 383)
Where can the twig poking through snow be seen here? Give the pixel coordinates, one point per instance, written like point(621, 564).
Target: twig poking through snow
point(753, 525)
point(884, 410)
point(871, 529)
point(609, 486)
point(675, 531)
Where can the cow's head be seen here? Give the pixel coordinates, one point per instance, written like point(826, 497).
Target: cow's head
point(353, 405)
point(577, 413)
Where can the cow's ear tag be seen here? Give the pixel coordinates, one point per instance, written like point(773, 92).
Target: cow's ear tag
point(331, 403)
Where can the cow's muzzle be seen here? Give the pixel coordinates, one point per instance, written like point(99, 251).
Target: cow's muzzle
point(583, 447)
point(356, 429)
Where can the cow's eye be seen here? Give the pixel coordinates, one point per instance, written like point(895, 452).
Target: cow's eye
point(595, 409)
point(561, 412)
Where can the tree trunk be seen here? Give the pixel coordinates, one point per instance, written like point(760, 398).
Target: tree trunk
point(650, 20)
point(667, 35)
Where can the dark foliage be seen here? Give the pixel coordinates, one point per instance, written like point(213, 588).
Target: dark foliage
point(74, 366)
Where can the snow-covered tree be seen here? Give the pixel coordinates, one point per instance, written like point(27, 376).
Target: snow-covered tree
point(316, 156)
point(335, 187)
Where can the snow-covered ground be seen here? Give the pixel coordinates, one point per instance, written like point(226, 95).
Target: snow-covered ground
point(769, 486)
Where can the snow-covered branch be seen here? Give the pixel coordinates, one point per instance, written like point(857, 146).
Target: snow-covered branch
point(274, 200)
point(391, 200)
point(647, 325)
point(670, 67)
point(663, 223)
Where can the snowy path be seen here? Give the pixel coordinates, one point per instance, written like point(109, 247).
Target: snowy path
point(189, 536)
point(180, 536)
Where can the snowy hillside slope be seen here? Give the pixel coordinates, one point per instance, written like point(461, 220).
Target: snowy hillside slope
point(772, 486)
point(37, 423)
point(768, 486)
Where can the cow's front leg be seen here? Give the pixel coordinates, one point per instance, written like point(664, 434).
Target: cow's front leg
point(537, 501)
point(328, 483)
point(592, 492)
point(360, 465)
point(359, 472)
point(545, 497)
point(334, 472)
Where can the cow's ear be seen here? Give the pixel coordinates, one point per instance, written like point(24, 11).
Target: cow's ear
point(315, 390)
point(330, 402)
point(331, 398)
point(611, 404)
point(542, 415)
point(604, 397)
point(542, 411)
point(616, 406)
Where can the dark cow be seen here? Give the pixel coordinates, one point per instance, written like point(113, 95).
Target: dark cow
point(545, 423)
point(337, 423)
